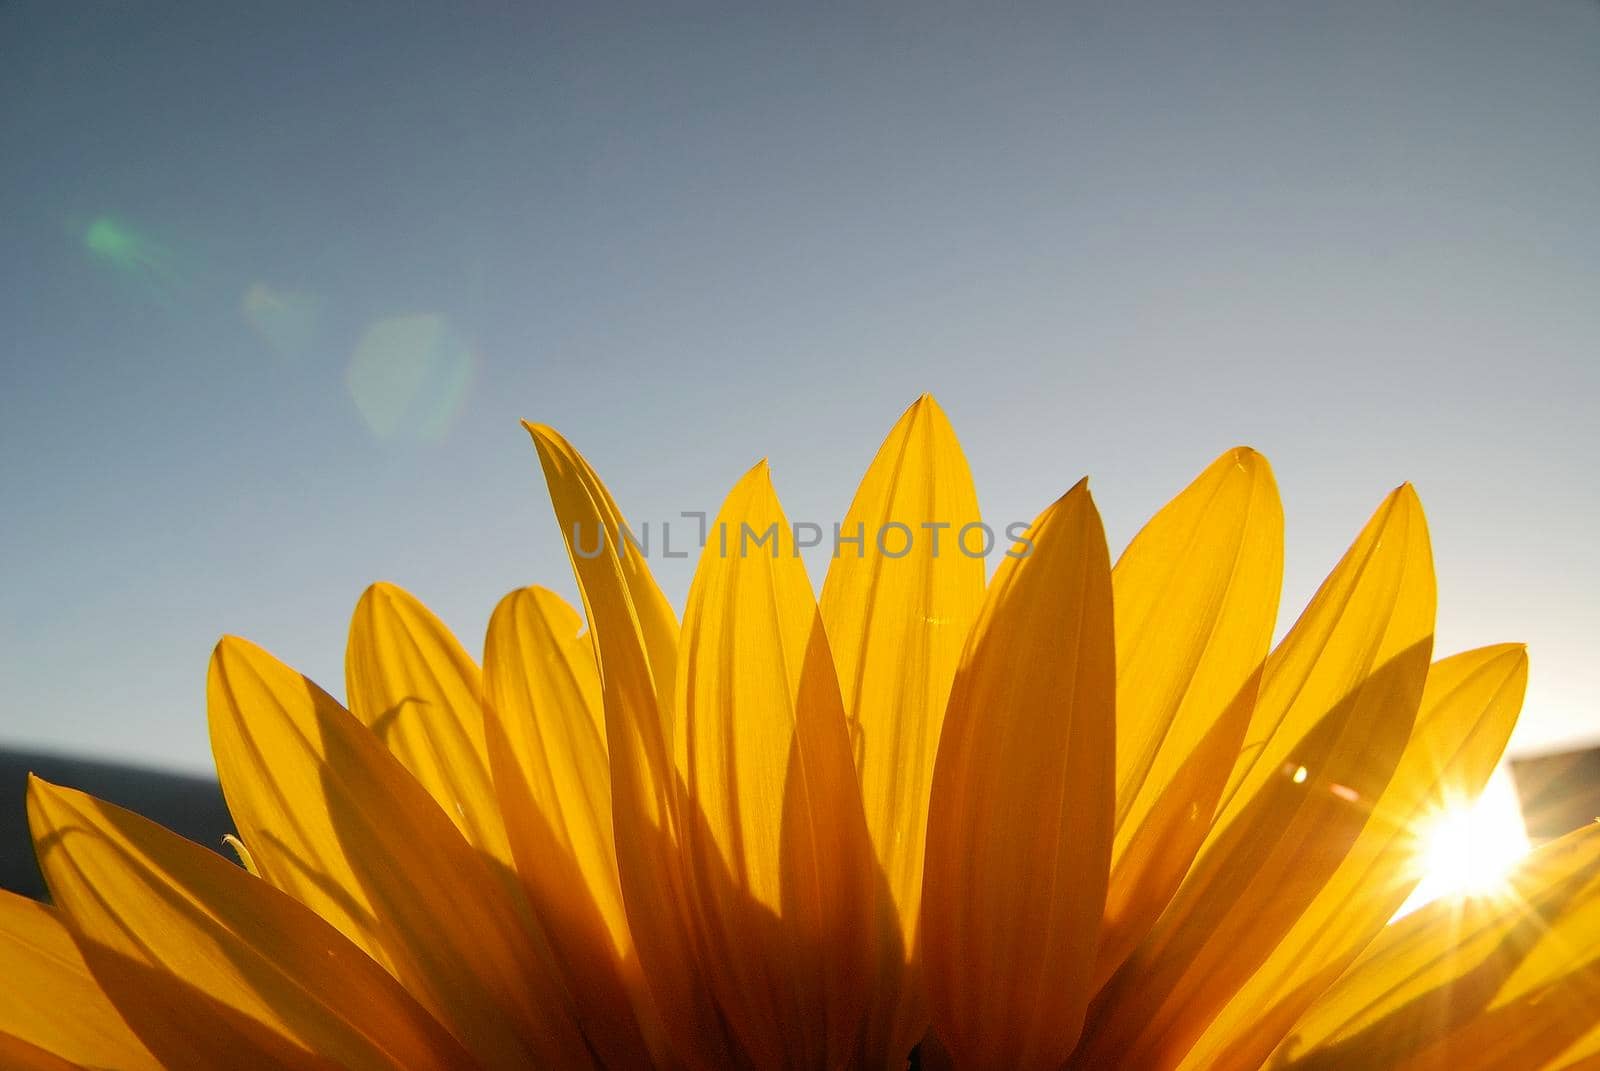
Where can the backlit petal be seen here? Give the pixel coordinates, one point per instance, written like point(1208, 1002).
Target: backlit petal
point(897, 607)
point(332, 818)
point(782, 869)
point(635, 644)
point(160, 906)
point(1510, 980)
point(1019, 831)
point(52, 1003)
point(1337, 702)
point(1468, 709)
point(412, 684)
point(19, 1055)
point(547, 747)
point(1196, 596)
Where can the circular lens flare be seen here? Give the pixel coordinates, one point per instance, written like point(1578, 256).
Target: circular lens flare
point(409, 377)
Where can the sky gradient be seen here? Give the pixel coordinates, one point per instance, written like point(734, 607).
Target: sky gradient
point(280, 284)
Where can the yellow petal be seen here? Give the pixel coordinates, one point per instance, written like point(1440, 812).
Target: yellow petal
point(1196, 596)
point(19, 1055)
point(1586, 1060)
point(410, 682)
point(596, 531)
point(161, 906)
point(1585, 1052)
point(1468, 709)
point(782, 867)
point(1505, 981)
point(418, 690)
point(1019, 831)
point(1337, 702)
point(334, 820)
point(896, 623)
point(52, 1004)
point(635, 644)
point(547, 747)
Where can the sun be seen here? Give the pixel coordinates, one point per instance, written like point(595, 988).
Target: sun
point(1469, 849)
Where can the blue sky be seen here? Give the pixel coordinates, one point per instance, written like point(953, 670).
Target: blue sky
point(280, 283)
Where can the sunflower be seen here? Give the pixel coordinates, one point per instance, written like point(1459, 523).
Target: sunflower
point(1077, 816)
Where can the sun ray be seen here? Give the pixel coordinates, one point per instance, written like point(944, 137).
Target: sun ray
point(1469, 847)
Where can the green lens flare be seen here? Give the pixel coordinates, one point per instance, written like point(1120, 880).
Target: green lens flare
point(112, 242)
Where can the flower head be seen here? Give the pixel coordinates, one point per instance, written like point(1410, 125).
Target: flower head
point(1074, 816)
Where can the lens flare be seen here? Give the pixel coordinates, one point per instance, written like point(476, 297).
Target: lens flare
point(110, 240)
point(1468, 850)
point(113, 242)
point(409, 377)
point(285, 319)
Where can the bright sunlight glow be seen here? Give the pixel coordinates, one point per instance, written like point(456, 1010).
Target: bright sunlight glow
point(1469, 850)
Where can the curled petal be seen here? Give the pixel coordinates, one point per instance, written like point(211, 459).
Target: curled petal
point(635, 639)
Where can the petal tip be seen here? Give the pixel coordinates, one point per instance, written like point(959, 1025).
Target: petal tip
point(545, 437)
point(41, 794)
point(231, 646)
point(1246, 457)
point(237, 651)
point(382, 591)
point(1078, 499)
point(926, 407)
point(757, 475)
